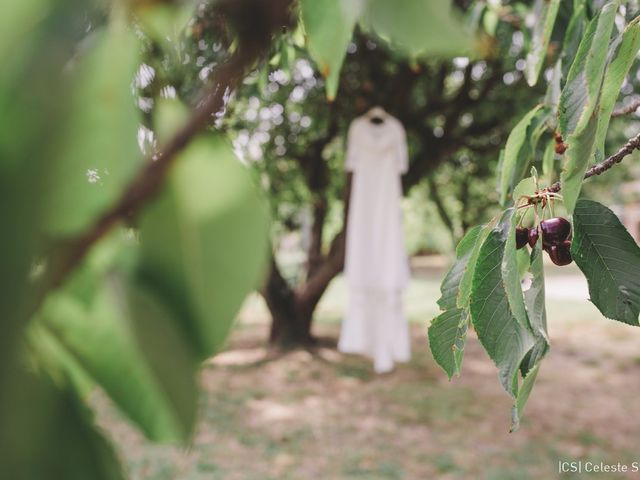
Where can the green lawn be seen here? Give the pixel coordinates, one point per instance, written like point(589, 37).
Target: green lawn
point(328, 416)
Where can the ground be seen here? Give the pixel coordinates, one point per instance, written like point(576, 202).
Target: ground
point(328, 416)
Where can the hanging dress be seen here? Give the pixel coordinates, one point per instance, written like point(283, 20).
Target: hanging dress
point(376, 264)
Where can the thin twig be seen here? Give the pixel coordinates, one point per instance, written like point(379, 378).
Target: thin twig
point(626, 109)
point(627, 149)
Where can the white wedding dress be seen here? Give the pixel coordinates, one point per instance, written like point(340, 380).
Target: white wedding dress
point(376, 264)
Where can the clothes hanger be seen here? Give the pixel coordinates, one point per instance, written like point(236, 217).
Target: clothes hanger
point(377, 115)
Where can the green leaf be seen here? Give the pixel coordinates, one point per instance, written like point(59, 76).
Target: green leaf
point(204, 242)
point(418, 27)
point(474, 15)
point(610, 260)
point(573, 36)
point(519, 150)
point(622, 54)
point(49, 433)
point(447, 337)
point(548, 161)
point(466, 281)
point(121, 340)
point(523, 262)
point(99, 153)
point(169, 115)
point(522, 397)
point(328, 25)
point(580, 102)
point(577, 159)
point(526, 187)
point(552, 96)
point(452, 279)
point(497, 305)
point(534, 297)
point(490, 21)
point(57, 361)
point(17, 21)
point(581, 92)
point(165, 23)
point(545, 12)
point(448, 331)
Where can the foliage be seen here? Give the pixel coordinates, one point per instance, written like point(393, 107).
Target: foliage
point(150, 301)
point(506, 302)
point(609, 258)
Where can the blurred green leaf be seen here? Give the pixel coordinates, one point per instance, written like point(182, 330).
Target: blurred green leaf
point(169, 116)
point(419, 27)
point(17, 23)
point(49, 434)
point(126, 341)
point(165, 23)
point(36, 42)
point(545, 12)
point(490, 21)
point(328, 25)
point(609, 258)
point(205, 242)
point(98, 152)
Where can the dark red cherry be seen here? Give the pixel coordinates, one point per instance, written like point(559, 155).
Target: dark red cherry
point(560, 254)
point(533, 236)
point(555, 231)
point(522, 235)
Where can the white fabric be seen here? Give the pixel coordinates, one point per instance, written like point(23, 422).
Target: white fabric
point(376, 264)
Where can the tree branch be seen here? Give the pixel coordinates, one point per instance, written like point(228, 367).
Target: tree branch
point(626, 149)
point(626, 109)
point(150, 179)
point(434, 195)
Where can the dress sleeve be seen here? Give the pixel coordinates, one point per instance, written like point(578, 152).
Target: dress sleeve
point(351, 156)
point(403, 154)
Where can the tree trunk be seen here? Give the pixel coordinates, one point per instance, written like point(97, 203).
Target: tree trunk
point(290, 324)
point(292, 309)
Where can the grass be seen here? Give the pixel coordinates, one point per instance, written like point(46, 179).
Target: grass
point(329, 416)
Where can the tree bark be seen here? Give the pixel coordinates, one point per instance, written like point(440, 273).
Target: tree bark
point(289, 325)
point(292, 308)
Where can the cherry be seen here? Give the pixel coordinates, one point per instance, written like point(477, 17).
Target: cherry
point(560, 254)
point(522, 234)
point(555, 231)
point(533, 236)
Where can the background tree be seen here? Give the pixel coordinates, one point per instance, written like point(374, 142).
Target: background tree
point(456, 113)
